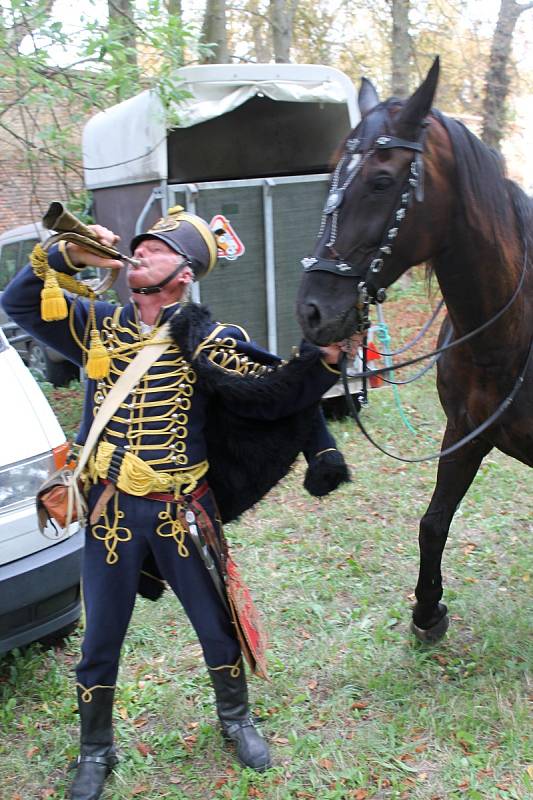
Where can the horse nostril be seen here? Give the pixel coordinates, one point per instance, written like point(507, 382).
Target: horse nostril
point(312, 315)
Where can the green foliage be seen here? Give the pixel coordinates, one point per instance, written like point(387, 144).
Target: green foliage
point(52, 80)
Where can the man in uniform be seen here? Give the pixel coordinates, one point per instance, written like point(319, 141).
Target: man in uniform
point(215, 416)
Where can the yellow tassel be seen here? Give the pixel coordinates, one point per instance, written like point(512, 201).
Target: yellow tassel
point(98, 359)
point(53, 303)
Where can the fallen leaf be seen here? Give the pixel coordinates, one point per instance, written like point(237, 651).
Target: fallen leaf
point(140, 722)
point(327, 763)
point(144, 749)
point(280, 740)
point(139, 789)
point(32, 752)
point(360, 704)
point(360, 794)
point(312, 685)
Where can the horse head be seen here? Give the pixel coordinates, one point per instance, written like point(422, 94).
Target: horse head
point(387, 210)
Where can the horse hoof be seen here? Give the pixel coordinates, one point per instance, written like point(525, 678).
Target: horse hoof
point(433, 634)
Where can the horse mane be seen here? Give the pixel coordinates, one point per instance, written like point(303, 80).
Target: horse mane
point(492, 205)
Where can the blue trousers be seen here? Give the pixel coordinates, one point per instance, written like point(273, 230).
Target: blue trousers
point(115, 548)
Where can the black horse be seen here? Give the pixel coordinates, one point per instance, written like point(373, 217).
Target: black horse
point(413, 186)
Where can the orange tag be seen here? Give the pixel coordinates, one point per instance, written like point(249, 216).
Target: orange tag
point(229, 245)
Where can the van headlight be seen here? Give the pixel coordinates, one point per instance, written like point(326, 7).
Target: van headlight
point(20, 482)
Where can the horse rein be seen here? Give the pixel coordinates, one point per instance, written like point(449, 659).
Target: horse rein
point(504, 405)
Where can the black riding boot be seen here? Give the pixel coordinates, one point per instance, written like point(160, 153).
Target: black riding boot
point(231, 695)
point(97, 753)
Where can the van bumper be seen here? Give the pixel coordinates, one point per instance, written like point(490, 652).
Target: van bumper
point(40, 594)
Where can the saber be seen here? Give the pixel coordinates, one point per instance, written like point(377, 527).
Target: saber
point(207, 558)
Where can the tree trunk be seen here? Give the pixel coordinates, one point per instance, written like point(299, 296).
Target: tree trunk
point(281, 21)
point(401, 48)
point(214, 32)
point(175, 9)
point(121, 19)
point(497, 78)
point(262, 47)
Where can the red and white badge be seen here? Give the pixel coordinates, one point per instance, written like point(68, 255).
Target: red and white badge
point(228, 243)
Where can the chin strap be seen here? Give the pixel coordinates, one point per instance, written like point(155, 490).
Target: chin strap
point(159, 286)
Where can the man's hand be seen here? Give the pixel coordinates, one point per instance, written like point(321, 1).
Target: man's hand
point(84, 258)
point(332, 352)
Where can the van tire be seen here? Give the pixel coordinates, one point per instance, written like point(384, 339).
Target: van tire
point(58, 373)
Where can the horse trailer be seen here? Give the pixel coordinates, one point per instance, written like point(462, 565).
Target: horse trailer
point(252, 147)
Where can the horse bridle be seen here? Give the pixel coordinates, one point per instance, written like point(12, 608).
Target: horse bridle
point(413, 185)
point(367, 292)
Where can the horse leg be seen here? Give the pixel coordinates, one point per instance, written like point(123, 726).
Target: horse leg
point(454, 476)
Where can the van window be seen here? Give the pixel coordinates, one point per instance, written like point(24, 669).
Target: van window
point(25, 249)
point(8, 263)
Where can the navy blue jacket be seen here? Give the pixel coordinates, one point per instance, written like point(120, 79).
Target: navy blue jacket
point(166, 417)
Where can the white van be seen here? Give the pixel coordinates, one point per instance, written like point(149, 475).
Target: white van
point(39, 578)
point(16, 245)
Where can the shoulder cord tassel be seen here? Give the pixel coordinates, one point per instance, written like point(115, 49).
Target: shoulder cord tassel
point(98, 360)
point(54, 307)
point(53, 303)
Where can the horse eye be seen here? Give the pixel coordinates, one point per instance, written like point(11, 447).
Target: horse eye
point(382, 182)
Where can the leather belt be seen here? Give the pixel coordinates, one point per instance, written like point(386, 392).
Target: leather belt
point(168, 497)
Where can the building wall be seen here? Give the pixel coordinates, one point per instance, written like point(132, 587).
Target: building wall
point(27, 190)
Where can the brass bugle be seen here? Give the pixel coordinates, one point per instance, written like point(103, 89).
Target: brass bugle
point(59, 219)
point(70, 229)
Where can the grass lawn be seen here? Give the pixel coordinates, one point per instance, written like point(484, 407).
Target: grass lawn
point(355, 708)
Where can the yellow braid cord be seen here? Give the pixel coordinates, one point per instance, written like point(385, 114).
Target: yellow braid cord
point(98, 360)
point(39, 262)
point(53, 303)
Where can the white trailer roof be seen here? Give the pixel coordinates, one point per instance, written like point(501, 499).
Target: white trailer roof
point(127, 143)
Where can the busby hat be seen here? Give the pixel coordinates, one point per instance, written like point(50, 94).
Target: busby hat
point(187, 234)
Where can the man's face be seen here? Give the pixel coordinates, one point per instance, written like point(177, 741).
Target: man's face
point(157, 262)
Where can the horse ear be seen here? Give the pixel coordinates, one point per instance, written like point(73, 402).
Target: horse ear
point(368, 97)
point(419, 104)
